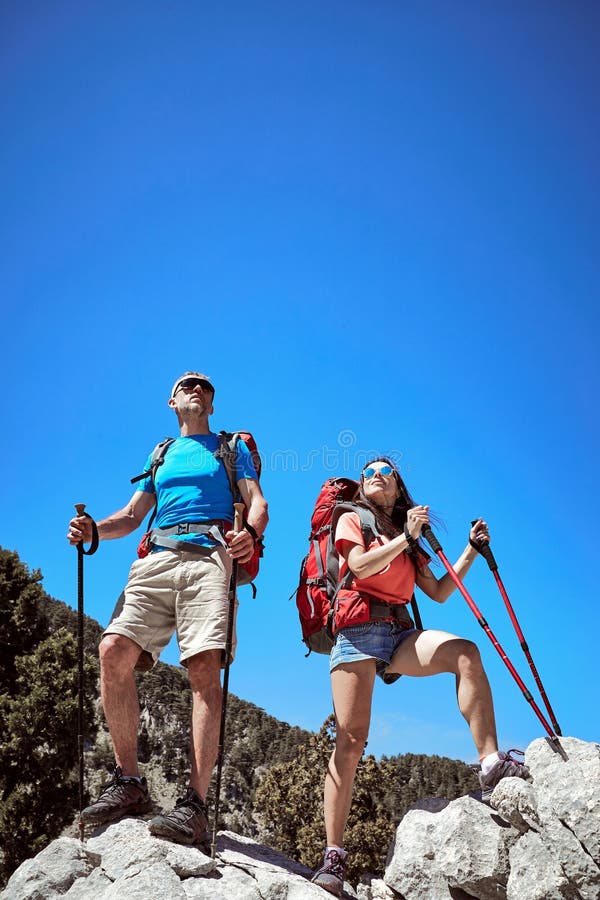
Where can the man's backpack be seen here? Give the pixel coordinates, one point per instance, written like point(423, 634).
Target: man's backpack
point(227, 452)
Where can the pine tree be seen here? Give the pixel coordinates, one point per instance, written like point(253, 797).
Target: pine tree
point(38, 718)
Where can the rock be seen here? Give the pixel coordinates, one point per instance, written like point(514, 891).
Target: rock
point(569, 790)
point(51, 873)
point(515, 800)
point(126, 845)
point(464, 847)
point(155, 880)
point(372, 888)
point(551, 864)
point(227, 884)
point(189, 862)
point(539, 841)
point(276, 877)
point(93, 885)
point(123, 861)
point(534, 873)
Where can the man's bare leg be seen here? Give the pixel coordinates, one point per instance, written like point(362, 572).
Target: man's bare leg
point(204, 672)
point(118, 656)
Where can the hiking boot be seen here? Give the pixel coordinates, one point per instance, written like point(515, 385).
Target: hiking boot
point(123, 796)
point(187, 824)
point(506, 767)
point(331, 875)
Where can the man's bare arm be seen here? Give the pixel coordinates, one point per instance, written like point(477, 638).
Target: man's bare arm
point(118, 524)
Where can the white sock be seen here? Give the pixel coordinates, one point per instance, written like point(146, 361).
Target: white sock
point(488, 762)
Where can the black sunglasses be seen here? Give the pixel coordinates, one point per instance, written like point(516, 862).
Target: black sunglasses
point(188, 384)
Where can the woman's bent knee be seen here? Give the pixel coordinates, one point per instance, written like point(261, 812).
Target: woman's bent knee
point(469, 656)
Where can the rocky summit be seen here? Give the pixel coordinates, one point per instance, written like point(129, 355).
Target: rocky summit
point(538, 840)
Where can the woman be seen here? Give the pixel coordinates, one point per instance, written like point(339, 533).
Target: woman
point(375, 636)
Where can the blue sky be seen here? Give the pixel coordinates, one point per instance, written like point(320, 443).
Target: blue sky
point(376, 227)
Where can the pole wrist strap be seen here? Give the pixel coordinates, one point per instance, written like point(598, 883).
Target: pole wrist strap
point(93, 543)
point(412, 544)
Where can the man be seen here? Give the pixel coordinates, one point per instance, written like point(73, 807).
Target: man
point(184, 589)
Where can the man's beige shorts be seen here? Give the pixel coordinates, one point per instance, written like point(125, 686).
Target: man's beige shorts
point(177, 590)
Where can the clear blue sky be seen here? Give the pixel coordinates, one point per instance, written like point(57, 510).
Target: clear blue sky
point(376, 226)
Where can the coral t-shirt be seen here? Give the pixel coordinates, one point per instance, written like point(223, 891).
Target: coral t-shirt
point(396, 581)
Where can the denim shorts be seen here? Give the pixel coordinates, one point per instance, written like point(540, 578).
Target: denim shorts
point(373, 640)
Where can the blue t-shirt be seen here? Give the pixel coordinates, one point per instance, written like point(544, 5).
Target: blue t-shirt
point(192, 485)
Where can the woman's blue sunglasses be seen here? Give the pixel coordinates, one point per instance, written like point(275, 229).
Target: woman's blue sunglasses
point(371, 471)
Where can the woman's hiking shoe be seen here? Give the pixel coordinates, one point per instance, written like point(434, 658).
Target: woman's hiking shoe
point(187, 824)
point(331, 875)
point(123, 796)
point(506, 767)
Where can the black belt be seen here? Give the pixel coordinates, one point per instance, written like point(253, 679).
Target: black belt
point(396, 611)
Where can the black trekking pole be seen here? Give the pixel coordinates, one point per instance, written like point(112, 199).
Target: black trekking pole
point(238, 519)
point(437, 548)
point(486, 551)
point(80, 507)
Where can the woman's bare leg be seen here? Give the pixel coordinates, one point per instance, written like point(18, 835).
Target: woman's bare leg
point(432, 652)
point(352, 688)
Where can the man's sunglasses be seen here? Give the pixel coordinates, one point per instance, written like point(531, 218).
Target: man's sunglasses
point(188, 384)
point(371, 471)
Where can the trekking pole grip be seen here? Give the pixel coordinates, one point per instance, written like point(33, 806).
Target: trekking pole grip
point(80, 509)
point(486, 551)
point(238, 516)
point(429, 536)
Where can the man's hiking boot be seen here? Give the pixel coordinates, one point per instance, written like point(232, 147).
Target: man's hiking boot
point(187, 824)
point(331, 875)
point(506, 767)
point(123, 796)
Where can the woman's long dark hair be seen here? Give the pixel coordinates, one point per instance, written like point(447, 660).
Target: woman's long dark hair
point(392, 524)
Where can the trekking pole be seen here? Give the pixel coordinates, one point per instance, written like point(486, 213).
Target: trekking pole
point(427, 533)
point(238, 519)
point(80, 507)
point(486, 551)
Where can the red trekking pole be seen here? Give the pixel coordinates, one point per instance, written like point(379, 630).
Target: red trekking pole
point(427, 533)
point(486, 551)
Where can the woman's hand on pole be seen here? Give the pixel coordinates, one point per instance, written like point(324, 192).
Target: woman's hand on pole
point(416, 518)
point(479, 533)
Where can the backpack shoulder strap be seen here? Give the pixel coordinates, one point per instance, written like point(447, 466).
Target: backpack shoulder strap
point(368, 523)
point(227, 452)
point(156, 460)
point(369, 530)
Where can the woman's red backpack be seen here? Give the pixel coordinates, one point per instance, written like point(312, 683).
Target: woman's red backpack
point(319, 570)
